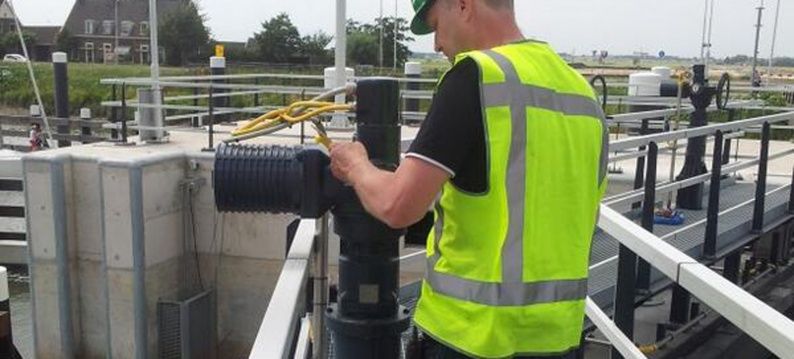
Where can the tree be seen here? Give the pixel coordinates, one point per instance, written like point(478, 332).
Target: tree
point(363, 41)
point(314, 46)
point(184, 35)
point(9, 42)
point(66, 42)
point(279, 40)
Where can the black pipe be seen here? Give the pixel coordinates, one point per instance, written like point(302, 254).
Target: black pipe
point(648, 208)
point(211, 120)
point(726, 149)
point(710, 243)
point(760, 185)
point(367, 321)
point(61, 92)
point(624, 294)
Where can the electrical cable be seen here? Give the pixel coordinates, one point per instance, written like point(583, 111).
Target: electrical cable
point(47, 131)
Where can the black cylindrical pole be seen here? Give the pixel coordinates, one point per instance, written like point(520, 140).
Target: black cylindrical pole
point(710, 243)
point(61, 92)
point(367, 320)
point(123, 113)
point(791, 194)
point(218, 68)
point(701, 97)
point(210, 121)
point(726, 149)
point(639, 172)
point(648, 207)
point(114, 114)
point(624, 294)
point(760, 185)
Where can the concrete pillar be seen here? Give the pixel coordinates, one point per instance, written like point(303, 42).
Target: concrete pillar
point(61, 92)
point(146, 116)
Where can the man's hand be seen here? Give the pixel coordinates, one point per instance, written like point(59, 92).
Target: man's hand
point(347, 160)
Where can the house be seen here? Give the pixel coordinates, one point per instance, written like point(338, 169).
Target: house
point(44, 37)
point(100, 35)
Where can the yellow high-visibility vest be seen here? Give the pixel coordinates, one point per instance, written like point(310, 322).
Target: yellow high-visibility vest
point(507, 269)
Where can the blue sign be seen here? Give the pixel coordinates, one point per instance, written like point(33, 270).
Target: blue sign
point(661, 54)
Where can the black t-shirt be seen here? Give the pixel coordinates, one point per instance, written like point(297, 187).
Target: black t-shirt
point(452, 136)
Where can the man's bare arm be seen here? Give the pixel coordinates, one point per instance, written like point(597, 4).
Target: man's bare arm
point(399, 198)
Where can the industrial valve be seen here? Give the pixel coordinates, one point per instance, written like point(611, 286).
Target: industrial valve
point(367, 320)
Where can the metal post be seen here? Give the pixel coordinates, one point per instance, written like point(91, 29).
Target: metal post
point(624, 294)
point(114, 115)
point(730, 267)
point(123, 113)
point(61, 89)
point(710, 243)
point(413, 70)
point(320, 290)
point(211, 120)
point(726, 149)
point(640, 169)
point(755, 78)
point(648, 207)
point(760, 186)
point(256, 95)
point(6, 335)
point(218, 68)
point(791, 195)
point(679, 305)
point(85, 129)
point(196, 121)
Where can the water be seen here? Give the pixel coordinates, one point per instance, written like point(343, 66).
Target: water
point(21, 313)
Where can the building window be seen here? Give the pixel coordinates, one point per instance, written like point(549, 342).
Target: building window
point(89, 52)
point(126, 28)
point(89, 27)
point(107, 27)
point(144, 29)
point(144, 53)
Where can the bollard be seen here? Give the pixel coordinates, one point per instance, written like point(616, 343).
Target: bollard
point(85, 129)
point(7, 349)
point(413, 70)
point(61, 78)
point(218, 68)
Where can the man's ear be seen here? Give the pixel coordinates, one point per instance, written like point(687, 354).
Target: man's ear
point(466, 8)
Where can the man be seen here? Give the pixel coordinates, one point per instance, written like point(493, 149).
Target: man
point(516, 145)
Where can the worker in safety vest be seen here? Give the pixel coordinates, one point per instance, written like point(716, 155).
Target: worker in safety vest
point(516, 145)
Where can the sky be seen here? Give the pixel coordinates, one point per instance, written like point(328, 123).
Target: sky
point(571, 26)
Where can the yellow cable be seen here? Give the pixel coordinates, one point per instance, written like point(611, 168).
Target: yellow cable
point(292, 114)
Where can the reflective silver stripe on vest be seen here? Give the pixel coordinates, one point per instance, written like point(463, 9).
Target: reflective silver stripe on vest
point(513, 248)
point(513, 291)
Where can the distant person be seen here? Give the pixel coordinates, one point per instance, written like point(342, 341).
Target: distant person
point(516, 144)
point(37, 141)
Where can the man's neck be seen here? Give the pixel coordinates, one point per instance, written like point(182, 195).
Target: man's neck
point(500, 35)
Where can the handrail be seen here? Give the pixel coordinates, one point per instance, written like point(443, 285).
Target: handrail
point(634, 142)
point(276, 333)
point(767, 326)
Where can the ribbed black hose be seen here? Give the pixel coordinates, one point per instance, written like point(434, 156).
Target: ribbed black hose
point(258, 179)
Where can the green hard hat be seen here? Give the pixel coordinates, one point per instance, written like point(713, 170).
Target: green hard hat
point(418, 24)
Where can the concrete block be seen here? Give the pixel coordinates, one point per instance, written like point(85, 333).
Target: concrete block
point(121, 313)
point(93, 309)
point(46, 318)
point(116, 217)
point(87, 206)
point(161, 191)
point(244, 289)
point(38, 187)
point(163, 238)
point(256, 235)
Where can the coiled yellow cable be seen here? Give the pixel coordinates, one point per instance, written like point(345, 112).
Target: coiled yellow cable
point(295, 113)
